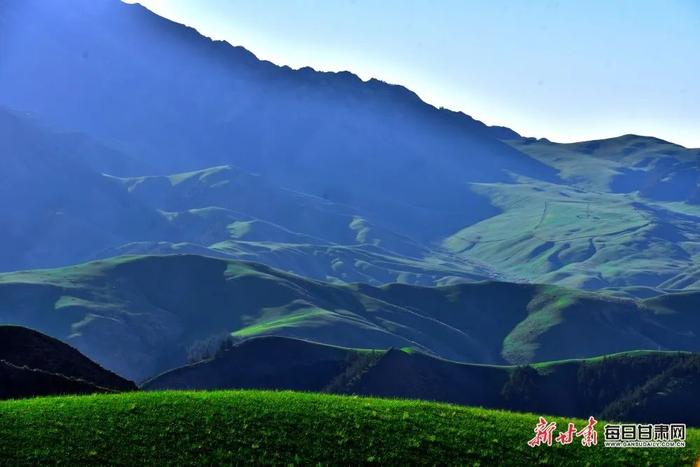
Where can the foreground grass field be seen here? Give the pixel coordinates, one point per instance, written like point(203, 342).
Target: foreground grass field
point(288, 428)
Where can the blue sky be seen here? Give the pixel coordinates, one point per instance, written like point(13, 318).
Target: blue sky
point(566, 70)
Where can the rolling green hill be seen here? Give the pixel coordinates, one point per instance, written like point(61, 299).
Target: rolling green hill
point(139, 315)
point(289, 428)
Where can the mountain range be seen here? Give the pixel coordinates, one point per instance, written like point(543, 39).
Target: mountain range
point(188, 145)
point(141, 315)
point(636, 386)
point(163, 193)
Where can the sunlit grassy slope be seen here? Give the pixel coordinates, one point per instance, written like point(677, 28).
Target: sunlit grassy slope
point(288, 428)
point(562, 235)
point(625, 218)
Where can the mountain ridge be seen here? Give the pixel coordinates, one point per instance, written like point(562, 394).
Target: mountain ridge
point(140, 315)
point(356, 181)
point(603, 387)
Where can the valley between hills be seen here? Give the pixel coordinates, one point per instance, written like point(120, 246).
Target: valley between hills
point(179, 214)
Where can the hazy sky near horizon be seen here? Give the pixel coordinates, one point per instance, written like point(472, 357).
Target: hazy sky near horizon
point(565, 70)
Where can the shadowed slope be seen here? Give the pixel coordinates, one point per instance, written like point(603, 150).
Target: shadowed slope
point(371, 145)
point(33, 364)
point(620, 386)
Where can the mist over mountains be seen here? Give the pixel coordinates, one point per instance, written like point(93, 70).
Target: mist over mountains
point(158, 189)
point(184, 144)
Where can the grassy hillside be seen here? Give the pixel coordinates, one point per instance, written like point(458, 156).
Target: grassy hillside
point(549, 233)
point(657, 169)
point(238, 215)
point(139, 315)
point(288, 428)
point(624, 216)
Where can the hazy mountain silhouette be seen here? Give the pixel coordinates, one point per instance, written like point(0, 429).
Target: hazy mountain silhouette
point(179, 101)
point(208, 150)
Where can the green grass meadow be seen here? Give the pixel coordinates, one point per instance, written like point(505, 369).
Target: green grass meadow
point(287, 428)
